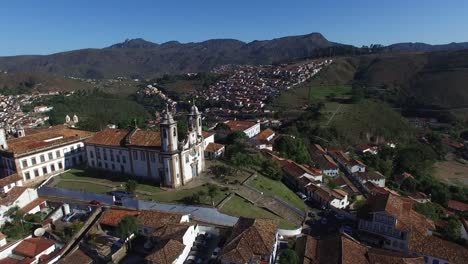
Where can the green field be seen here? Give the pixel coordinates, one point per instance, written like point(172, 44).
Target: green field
point(277, 188)
point(238, 206)
point(84, 186)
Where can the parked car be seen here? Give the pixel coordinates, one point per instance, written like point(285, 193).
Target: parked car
point(302, 196)
point(68, 217)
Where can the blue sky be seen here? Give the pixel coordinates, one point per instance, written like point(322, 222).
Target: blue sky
point(48, 26)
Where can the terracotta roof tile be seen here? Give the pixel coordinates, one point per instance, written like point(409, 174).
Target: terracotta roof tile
point(265, 134)
point(77, 257)
point(171, 231)
point(36, 202)
point(237, 125)
point(157, 219)
point(250, 239)
point(166, 253)
point(213, 147)
point(42, 139)
point(113, 216)
point(109, 137)
point(12, 195)
point(437, 247)
point(5, 181)
point(123, 137)
point(457, 206)
point(31, 247)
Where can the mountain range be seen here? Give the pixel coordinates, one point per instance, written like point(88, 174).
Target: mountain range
point(138, 58)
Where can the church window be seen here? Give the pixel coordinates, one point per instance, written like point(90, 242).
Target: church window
point(187, 159)
point(174, 132)
point(199, 121)
point(165, 133)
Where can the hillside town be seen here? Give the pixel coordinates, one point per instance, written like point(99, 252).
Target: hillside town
point(76, 196)
point(249, 87)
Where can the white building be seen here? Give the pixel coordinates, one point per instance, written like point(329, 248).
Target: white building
point(370, 176)
point(327, 197)
point(40, 153)
point(26, 199)
point(152, 155)
point(251, 129)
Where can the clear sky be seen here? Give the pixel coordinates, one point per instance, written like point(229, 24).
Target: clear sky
point(48, 26)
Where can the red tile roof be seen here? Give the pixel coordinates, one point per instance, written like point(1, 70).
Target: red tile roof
point(12, 195)
point(109, 137)
point(77, 257)
point(123, 137)
point(157, 219)
point(213, 147)
point(5, 181)
point(38, 139)
point(250, 239)
point(31, 247)
point(236, 125)
point(434, 246)
point(166, 253)
point(36, 202)
point(457, 206)
point(113, 216)
point(265, 134)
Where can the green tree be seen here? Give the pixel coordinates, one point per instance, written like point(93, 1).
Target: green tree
point(131, 186)
point(432, 211)
point(452, 230)
point(272, 170)
point(127, 226)
point(289, 256)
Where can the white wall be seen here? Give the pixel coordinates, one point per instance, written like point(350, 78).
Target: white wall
point(55, 160)
point(253, 130)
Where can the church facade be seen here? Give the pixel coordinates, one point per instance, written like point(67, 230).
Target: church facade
point(151, 155)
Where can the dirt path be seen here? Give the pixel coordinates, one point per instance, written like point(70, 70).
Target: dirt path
point(333, 115)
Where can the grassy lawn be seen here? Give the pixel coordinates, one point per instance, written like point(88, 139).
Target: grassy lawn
point(238, 206)
point(240, 176)
point(278, 189)
point(322, 91)
point(84, 186)
point(178, 196)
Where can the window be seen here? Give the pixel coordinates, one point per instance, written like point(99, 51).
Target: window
point(142, 155)
point(92, 163)
point(91, 154)
point(187, 158)
point(105, 155)
point(160, 159)
point(24, 163)
point(165, 133)
point(435, 261)
point(44, 170)
point(99, 164)
point(60, 165)
point(27, 176)
point(42, 158)
point(174, 132)
point(105, 165)
point(117, 157)
point(124, 159)
point(111, 156)
point(80, 158)
point(36, 173)
point(113, 166)
point(51, 155)
point(153, 157)
point(52, 167)
point(135, 155)
point(57, 153)
point(33, 161)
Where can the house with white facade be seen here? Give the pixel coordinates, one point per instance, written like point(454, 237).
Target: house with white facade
point(26, 199)
point(370, 176)
point(251, 129)
point(393, 224)
point(8, 182)
point(152, 155)
point(347, 163)
point(40, 153)
point(327, 197)
point(264, 140)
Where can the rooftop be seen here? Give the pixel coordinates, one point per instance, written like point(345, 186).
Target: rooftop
point(5, 181)
point(213, 147)
point(237, 125)
point(10, 197)
point(265, 134)
point(457, 206)
point(157, 219)
point(31, 247)
point(250, 239)
point(123, 137)
point(44, 138)
point(113, 216)
point(166, 252)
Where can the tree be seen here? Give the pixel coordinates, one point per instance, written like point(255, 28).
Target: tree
point(127, 226)
point(272, 170)
point(452, 230)
point(289, 256)
point(432, 211)
point(236, 137)
point(131, 186)
point(212, 191)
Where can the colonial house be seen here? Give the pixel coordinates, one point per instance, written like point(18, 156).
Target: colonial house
point(152, 155)
point(251, 241)
point(296, 174)
point(370, 176)
point(327, 165)
point(362, 149)
point(264, 139)
point(327, 197)
point(26, 199)
point(8, 182)
point(214, 150)
point(344, 249)
point(251, 129)
point(31, 250)
point(457, 207)
point(393, 224)
point(150, 221)
point(40, 153)
point(349, 164)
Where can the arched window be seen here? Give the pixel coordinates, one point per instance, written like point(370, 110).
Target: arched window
point(174, 131)
point(164, 133)
point(199, 121)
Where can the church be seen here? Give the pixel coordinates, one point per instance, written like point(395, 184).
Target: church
point(151, 155)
